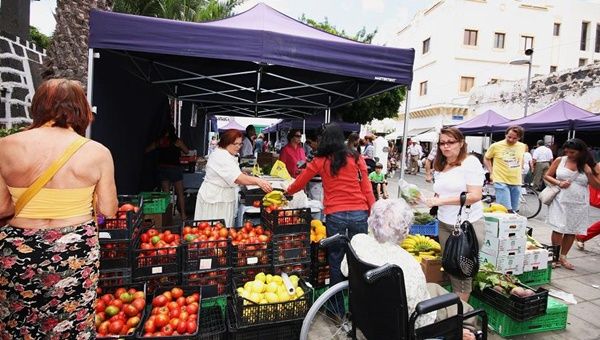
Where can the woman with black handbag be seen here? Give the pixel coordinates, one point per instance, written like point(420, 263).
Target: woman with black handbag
point(458, 173)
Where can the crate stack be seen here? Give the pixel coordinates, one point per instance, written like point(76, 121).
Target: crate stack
point(115, 235)
point(505, 242)
point(158, 208)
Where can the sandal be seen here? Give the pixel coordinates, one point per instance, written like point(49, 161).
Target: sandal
point(580, 245)
point(566, 264)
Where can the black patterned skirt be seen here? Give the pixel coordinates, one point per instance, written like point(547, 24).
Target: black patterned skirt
point(48, 280)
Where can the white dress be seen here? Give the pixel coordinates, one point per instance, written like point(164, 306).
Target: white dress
point(568, 213)
point(217, 197)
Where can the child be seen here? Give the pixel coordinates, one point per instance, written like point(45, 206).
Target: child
point(378, 179)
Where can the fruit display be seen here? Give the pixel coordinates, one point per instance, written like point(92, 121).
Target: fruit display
point(422, 247)
point(288, 248)
point(317, 231)
point(114, 254)
point(156, 251)
point(126, 210)
point(173, 312)
point(250, 245)
point(214, 282)
point(118, 311)
point(495, 208)
point(488, 277)
point(206, 245)
point(267, 288)
point(274, 200)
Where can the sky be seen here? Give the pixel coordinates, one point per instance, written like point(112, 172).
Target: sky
point(387, 16)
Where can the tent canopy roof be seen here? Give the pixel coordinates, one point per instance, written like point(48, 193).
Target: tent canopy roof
point(588, 124)
point(259, 62)
point(482, 123)
point(558, 116)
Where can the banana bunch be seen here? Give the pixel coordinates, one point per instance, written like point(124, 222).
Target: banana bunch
point(275, 198)
point(495, 208)
point(422, 247)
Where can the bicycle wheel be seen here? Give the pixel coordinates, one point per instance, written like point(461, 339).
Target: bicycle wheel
point(529, 203)
point(321, 321)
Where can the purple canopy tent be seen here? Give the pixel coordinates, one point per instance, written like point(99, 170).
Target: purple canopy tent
point(232, 125)
point(310, 123)
point(558, 116)
point(482, 124)
point(588, 124)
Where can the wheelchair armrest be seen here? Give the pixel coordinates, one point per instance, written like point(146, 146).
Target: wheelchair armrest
point(326, 242)
point(484, 320)
point(439, 302)
point(375, 274)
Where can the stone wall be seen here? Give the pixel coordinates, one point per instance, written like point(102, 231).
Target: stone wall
point(20, 69)
point(579, 86)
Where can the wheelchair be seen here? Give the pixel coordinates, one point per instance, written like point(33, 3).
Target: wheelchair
point(377, 306)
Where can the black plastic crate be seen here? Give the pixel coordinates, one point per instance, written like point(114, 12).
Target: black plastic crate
point(115, 254)
point(156, 261)
point(319, 276)
point(318, 254)
point(214, 282)
point(114, 278)
point(200, 253)
point(252, 195)
point(245, 274)
point(187, 291)
point(302, 269)
point(121, 227)
point(248, 313)
point(518, 308)
point(285, 221)
point(111, 290)
point(290, 248)
point(196, 223)
point(553, 251)
point(156, 281)
point(212, 324)
point(286, 330)
point(250, 254)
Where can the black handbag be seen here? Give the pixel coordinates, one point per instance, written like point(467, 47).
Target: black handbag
point(461, 252)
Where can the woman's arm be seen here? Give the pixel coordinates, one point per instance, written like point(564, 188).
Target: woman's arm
point(244, 179)
point(550, 176)
point(7, 208)
point(305, 176)
point(180, 144)
point(474, 193)
point(593, 179)
point(106, 190)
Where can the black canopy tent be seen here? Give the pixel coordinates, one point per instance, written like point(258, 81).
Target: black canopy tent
point(259, 63)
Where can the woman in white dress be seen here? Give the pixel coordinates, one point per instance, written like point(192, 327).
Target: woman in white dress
point(217, 194)
point(568, 212)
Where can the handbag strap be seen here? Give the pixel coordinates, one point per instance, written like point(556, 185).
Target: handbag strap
point(47, 175)
point(463, 200)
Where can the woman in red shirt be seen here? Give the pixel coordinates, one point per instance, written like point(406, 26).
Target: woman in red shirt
point(293, 152)
point(347, 190)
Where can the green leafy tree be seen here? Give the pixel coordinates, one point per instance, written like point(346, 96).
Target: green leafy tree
point(39, 38)
point(381, 106)
point(184, 10)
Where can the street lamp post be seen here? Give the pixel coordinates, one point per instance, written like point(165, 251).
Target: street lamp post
point(529, 62)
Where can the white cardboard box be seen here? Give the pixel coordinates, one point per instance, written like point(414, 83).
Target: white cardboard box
point(505, 225)
point(535, 259)
point(504, 246)
point(511, 264)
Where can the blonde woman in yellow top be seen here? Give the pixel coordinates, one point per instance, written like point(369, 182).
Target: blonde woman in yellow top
point(49, 249)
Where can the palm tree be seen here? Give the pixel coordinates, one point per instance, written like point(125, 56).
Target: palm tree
point(184, 10)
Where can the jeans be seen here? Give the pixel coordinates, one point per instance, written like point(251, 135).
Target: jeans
point(348, 223)
point(508, 195)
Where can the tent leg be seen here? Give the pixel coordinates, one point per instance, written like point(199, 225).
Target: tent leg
point(206, 138)
point(404, 139)
point(573, 134)
point(90, 82)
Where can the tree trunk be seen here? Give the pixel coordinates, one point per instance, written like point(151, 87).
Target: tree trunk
point(14, 18)
point(68, 52)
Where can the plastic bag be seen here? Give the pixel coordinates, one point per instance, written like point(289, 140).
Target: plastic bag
point(299, 200)
point(279, 170)
point(411, 193)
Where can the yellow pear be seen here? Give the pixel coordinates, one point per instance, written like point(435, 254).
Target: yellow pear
point(254, 297)
point(299, 292)
point(258, 286)
point(271, 297)
point(283, 296)
point(260, 277)
point(272, 287)
point(268, 278)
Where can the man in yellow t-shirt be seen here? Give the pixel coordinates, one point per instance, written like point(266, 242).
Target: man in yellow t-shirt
point(504, 161)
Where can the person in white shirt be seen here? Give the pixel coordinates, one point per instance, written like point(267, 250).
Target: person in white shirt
point(389, 224)
point(542, 157)
point(457, 172)
point(414, 151)
point(381, 151)
point(429, 163)
point(527, 166)
point(248, 143)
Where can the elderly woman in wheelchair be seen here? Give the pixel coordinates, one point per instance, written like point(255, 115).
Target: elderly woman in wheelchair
point(389, 224)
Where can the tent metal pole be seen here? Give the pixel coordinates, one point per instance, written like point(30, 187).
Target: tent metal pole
point(90, 82)
point(404, 139)
point(206, 137)
point(573, 134)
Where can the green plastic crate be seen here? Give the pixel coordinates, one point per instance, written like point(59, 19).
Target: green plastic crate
point(536, 277)
point(156, 202)
point(219, 301)
point(555, 319)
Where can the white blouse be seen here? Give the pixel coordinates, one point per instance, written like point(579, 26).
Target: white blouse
point(222, 169)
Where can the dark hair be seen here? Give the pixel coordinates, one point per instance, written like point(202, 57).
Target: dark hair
point(250, 128)
point(62, 101)
point(353, 138)
point(291, 134)
point(540, 142)
point(332, 145)
point(440, 160)
point(170, 133)
point(583, 155)
point(229, 136)
point(517, 129)
point(378, 166)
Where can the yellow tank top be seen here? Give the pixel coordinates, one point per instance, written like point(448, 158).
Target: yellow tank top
point(56, 204)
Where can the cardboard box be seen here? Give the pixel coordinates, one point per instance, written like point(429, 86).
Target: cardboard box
point(504, 246)
point(433, 271)
point(161, 220)
point(536, 259)
point(507, 264)
point(505, 225)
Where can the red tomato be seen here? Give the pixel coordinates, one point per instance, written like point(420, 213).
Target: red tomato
point(168, 295)
point(181, 301)
point(133, 322)
point(139, 303)
point(120, 291)
point(159, 301)
point(130, 310)
point(187, 230)
point(152, 232)
point(176, 292)
point(174, 313)
point(100, 306)
point(103, 328)
point(163, 310)
point(192, 308)
point(183, 316)
point(161, 320)
point(117, 303)
point(107, 298)
point(149, 326)
point(115, 327)
point(190, 327)
point(203, 225)
point(256, 204)
point(190, 299)
point(172, 305)
point(168, 330)
point(248, 226)
point(174, 323)
point(181, 327)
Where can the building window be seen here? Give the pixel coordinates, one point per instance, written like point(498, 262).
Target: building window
point(552, 69)
point(526, 42)
point(597, 48)
point(584, 34)
point(426, 45)
point(470, 38)
point(556, 29)
point(499, 40)
point(582, 62)
point(466, 83)
point(423, 88)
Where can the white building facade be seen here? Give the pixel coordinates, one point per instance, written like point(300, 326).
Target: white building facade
point(464, 44)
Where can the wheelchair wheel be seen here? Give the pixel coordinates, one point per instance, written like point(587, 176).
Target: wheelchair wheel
point(530, 204)
point(322, 321)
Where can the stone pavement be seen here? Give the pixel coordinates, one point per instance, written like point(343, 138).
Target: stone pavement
point(583, 321)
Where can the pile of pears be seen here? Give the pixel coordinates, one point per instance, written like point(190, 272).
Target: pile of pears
point(267, 288)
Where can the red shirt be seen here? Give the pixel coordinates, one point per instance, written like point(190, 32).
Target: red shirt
point(344, 192)
point(290, 155)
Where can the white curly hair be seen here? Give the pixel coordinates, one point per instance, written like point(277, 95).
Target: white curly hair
point(390, 220)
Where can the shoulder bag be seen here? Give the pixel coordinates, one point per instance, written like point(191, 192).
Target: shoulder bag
point(461, 252)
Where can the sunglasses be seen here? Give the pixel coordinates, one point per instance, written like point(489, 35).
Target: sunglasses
point(448, 143)
point(299, 136)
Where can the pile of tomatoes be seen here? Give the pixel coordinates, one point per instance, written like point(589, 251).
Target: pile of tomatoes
point(119, 313)
point(120, 222)
point(250, 244)
point(173, 314)
point(205, 241)
point(157, 247)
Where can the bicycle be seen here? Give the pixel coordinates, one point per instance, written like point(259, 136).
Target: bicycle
point(530, 204)
point(377, 306)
